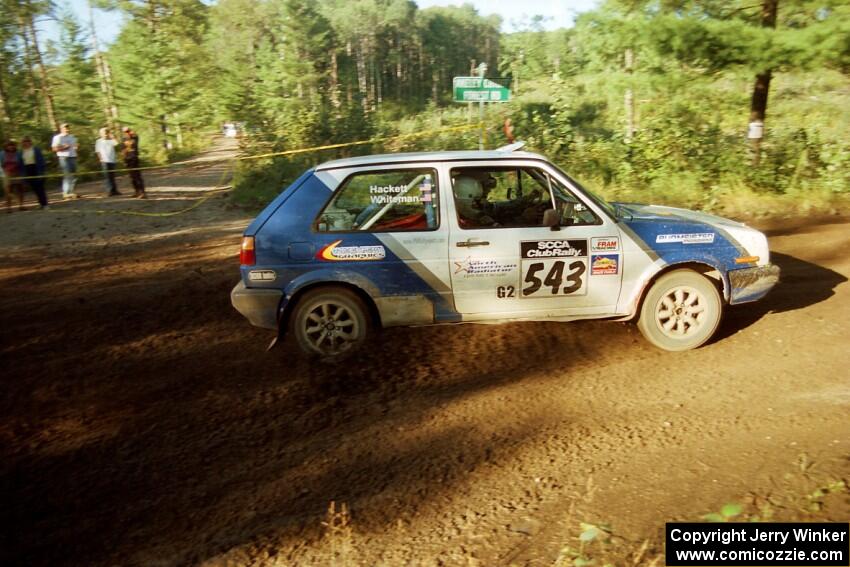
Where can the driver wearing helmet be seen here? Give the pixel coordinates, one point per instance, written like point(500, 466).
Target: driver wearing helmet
point(469, 199)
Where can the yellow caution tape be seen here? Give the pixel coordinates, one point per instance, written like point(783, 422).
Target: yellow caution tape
point(219, 185)
point(272, 154)
point(362, 142)
point(218, 189)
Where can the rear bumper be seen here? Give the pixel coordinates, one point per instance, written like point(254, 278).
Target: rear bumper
point(751, 284)
point(258, 305)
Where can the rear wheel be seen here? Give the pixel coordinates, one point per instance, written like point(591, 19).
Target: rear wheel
point(681, 311)
point(330, 323)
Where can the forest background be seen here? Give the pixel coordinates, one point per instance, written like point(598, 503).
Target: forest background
point(640, 100)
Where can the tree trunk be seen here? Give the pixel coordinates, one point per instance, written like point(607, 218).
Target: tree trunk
point(5, 113)
point(361, 74)
point(421, 70)
point(629, 99)
point(113, 106)
point(179, 130)
point(469, 105)
point(28, 63)
point(399, 47)
point(45, 81)
point(163, 127)
point(758, 104)
point(110, 112)
point(435, 82)
point(334, 94)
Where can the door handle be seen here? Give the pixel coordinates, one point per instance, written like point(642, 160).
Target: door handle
point(470, 243)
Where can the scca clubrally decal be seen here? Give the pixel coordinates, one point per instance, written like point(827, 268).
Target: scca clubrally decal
point(553, 249)
point(335, 253)
point(553, 268)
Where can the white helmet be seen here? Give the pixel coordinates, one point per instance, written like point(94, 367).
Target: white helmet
point(468, 188)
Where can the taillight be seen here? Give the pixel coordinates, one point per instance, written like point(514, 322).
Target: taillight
point(247, 256)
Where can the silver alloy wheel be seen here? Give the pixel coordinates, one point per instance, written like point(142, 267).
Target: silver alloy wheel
point(680, 312)
point(331, 328)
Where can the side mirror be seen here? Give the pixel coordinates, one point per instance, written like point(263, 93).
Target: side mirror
point(551, 219)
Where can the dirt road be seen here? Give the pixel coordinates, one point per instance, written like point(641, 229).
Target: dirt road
point(144, 423)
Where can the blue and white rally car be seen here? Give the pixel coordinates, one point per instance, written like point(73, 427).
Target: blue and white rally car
point(484, 237)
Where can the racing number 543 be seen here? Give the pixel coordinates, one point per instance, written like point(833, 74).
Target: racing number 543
point(554, 277)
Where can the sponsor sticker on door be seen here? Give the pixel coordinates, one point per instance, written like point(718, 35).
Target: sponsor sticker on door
point(604, 264)
point(604, 244)
point(483, 267)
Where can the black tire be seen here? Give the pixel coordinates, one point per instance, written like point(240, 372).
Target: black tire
point(681, 311)
point(330, 323)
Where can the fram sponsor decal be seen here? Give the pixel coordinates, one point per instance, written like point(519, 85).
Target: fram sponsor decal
point(553, 249)
point(336, 253)
point(262, 275)
point(696, 238)
point(604, 244)
point(604, 264)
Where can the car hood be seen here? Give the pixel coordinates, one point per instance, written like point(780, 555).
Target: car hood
point(667, 214)
point(728, 239)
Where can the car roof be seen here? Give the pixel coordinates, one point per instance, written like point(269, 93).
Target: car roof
point(427, 157)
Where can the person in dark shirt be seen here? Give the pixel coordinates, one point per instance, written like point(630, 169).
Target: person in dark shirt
point(9, 164)
point(131, 161)
point(31, 165)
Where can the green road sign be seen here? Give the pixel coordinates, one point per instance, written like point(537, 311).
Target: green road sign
point(478, 89)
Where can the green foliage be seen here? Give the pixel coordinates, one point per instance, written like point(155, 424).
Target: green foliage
point(299, 73)
point(728, 513)
point(161, 72)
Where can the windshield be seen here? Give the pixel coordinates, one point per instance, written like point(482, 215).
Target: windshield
point(598, 200)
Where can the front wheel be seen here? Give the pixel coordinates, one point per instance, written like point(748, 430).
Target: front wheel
point(681, 311)
point(330, 323)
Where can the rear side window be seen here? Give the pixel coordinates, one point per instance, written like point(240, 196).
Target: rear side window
point(383, 201)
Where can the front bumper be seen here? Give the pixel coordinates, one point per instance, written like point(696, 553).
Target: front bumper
point(751, 284)
point(258, 305)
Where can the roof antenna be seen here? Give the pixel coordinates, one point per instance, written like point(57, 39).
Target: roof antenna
point(512, 147)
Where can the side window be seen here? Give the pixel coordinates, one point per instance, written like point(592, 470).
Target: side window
point(512, 197)
point(383, 201)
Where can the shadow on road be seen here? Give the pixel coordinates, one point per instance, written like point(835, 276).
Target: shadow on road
point(801, 284)
point(151, 427)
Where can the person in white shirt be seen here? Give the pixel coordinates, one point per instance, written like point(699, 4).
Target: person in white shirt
point(104, 147)
point(65, 145)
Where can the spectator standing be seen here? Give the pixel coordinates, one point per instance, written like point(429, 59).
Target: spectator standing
point(9, 163)
point(65, 145)
point(131, 161)
point(31, 165)
point(104, 147)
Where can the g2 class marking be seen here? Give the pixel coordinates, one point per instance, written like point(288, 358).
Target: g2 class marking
point(505, 291)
